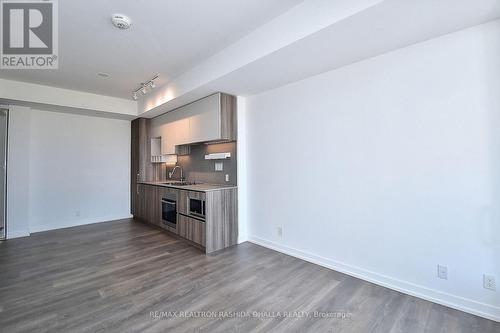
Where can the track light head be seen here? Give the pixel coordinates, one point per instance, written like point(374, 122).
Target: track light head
point(143, 87)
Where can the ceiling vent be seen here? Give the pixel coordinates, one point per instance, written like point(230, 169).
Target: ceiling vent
point(121, 21)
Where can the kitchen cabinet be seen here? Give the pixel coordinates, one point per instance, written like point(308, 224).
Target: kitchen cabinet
point(204, 119)
point(217, 231)
point(140, 207)
point(148, 204)
point(173, 134)
point(167, 140)
point(221, 227)
point(141, 168)
point(189, 227)
point(152, 205)
point(210, 119)
point(192, 229)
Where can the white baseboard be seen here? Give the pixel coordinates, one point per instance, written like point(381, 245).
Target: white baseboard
point(17, 234)
point(456, 302)
point(76, 223)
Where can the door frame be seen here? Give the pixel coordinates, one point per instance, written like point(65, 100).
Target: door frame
point(3, 235)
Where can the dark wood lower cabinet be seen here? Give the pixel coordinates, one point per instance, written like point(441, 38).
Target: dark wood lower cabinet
point(152, 205)
point(191, 229)
point(221, 219)
point(220, 227)
point(148, 206)
point(140, 202)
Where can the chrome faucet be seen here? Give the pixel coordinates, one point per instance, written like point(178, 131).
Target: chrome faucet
point(171, 173)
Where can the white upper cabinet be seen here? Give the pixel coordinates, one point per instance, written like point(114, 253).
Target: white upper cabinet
point(181, 132)
point(212, 118)
point(166, 146)
point(173, 134)
point(204, 124)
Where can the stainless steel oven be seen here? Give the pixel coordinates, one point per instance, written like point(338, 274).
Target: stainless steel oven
point(196, 207)
point(169, 210)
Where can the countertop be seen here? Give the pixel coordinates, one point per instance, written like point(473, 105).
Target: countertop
point(197, 187)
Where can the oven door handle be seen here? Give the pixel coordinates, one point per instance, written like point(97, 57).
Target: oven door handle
point(169, 202)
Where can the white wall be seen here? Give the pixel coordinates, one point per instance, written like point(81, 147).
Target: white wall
point(65, 170)
point(79, 170)
point(388, 167)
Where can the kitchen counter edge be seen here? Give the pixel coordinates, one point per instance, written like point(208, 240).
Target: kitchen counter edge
point(196, 187)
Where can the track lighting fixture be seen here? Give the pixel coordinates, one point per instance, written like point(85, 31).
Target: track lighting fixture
point(143, 88)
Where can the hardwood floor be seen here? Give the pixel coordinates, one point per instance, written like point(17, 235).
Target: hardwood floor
point(112, 277)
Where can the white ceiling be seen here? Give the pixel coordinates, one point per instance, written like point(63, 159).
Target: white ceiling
point(167, 37)
point(379, 27)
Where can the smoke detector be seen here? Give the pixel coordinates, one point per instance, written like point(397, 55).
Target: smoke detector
point(121, 21)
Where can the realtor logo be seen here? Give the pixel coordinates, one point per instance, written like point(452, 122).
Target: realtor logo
point(29, 34)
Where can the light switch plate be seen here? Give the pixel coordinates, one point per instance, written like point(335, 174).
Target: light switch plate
point(219, 166)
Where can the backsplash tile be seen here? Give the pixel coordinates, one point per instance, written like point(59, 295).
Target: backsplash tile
point(197, 169)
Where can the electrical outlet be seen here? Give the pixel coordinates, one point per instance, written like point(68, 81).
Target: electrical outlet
point(280, 231)
point(219, 166)
point(443, 272)
point(227, 177)
point(489, 282)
